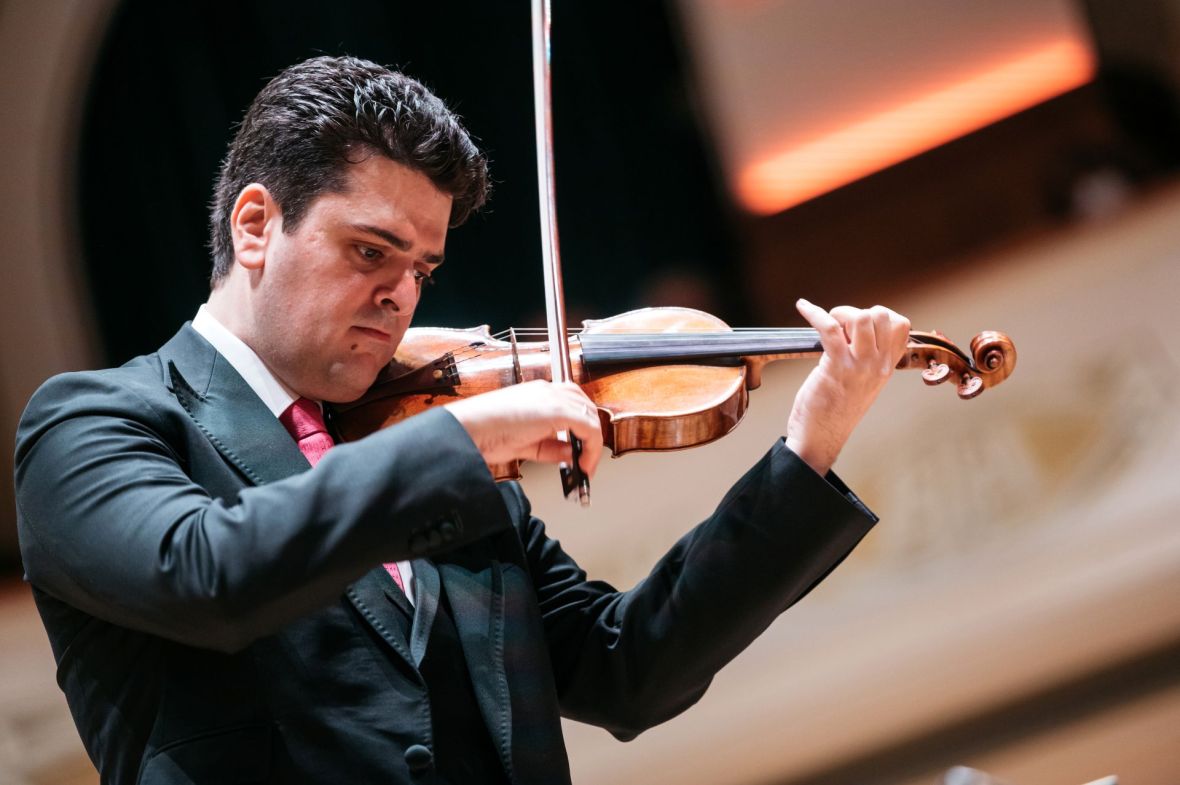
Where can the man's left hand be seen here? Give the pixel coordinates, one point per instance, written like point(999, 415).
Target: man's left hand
point(861, 349)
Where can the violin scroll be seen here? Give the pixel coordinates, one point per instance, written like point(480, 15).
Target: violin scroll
point(992, 359)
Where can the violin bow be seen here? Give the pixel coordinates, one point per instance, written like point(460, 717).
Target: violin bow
point(574, 482)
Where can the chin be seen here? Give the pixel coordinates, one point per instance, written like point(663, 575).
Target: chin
point(345, 392)
point(346, 389)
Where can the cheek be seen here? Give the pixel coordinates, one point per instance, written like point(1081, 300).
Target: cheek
point(337, 306)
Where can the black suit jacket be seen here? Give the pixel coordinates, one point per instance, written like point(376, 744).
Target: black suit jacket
point(204, 595)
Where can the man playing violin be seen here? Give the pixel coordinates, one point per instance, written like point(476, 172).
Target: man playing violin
point(231, 597)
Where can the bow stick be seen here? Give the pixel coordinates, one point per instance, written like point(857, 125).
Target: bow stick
point(573, 479)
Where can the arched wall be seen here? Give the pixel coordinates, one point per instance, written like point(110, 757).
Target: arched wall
point(46, 53)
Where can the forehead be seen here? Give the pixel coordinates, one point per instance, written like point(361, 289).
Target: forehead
point(381, 192)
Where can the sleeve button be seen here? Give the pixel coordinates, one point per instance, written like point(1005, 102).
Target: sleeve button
point(418, 757)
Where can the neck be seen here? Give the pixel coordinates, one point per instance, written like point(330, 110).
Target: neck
point(231, 306)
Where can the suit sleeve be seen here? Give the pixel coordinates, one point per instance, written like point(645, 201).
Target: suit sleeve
point(629, 660)
point(111, 523)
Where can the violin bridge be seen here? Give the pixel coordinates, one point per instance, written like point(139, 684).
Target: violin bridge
point(444, 371)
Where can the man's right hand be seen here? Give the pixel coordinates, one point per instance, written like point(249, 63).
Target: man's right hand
point(521, 423)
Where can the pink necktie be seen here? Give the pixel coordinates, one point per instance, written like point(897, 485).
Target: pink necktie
point(305, 422)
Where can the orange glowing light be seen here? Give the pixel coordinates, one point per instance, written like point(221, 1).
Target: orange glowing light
point(807, 170)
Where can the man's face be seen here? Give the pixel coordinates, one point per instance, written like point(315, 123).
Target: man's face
point(334, 298)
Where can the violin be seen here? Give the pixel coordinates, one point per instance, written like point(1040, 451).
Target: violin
point(661, 378)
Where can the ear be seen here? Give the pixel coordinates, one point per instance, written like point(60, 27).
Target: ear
point(255, 216)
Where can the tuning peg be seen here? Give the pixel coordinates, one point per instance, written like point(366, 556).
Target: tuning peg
point(970, 386)
point(936, 373)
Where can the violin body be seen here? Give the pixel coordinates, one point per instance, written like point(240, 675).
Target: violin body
point(662, 406)
point(661, 378)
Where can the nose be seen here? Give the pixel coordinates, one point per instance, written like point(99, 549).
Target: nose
point(400, 296)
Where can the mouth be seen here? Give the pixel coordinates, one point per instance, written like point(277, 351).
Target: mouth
point(373, 332)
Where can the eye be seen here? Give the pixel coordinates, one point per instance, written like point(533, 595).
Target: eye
point(368, 254)
point(423, 278)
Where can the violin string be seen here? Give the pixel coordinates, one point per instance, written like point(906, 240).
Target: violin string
point(475, 350)
point(647, 333)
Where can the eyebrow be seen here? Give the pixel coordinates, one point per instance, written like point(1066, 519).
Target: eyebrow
point(397, 242)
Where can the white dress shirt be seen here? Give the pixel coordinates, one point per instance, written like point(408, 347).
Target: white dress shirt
point(276, 395)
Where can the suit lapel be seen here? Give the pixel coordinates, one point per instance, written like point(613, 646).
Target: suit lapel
point(380, 602)
point(426, 592)
point(369, 597)
point(228, 411)
point(477, 603)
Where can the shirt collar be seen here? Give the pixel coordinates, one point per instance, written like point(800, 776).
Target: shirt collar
point(249, 365)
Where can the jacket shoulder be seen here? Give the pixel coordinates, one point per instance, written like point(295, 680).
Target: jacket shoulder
point(134, 391)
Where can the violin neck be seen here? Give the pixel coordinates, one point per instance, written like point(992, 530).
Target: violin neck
point(628, 348)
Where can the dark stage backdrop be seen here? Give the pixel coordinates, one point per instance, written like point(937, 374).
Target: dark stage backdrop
point(641, 211)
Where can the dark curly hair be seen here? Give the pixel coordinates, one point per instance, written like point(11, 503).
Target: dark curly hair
point(316, 117)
